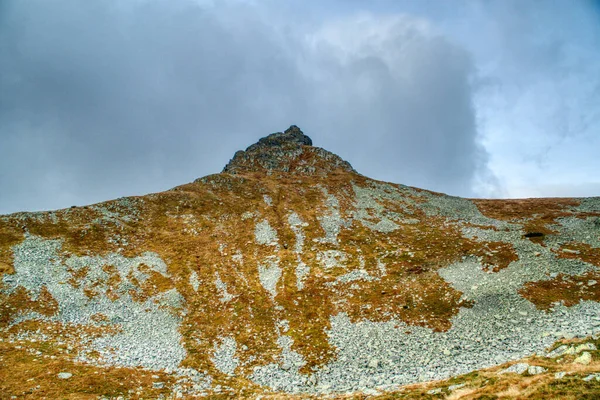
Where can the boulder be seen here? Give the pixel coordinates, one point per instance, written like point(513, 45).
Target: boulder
point(535, 370)
point(515, 369)
point(584, 359)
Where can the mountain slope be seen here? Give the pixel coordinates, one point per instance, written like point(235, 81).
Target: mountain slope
point(291, 272)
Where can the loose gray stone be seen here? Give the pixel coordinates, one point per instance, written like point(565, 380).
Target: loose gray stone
point(592, 376)
point(560, 375)
point(585, 358)
point(454, 387)
point(559, 351)
point(515, 369)
point(535, 370)
point(585, 346)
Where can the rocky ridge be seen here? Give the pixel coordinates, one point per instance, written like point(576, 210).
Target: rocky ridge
point(289, 272)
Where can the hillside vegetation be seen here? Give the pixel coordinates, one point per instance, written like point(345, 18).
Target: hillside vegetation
point(290, 274)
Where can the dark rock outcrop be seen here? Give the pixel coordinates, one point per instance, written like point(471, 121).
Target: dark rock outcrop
point(292, 135)
point(290, 151)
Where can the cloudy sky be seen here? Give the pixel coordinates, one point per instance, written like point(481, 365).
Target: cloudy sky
point(102, 99)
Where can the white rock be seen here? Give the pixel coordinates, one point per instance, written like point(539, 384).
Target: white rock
point(371, 392)
point(585, 346)
point(585, 358)
point(560, 375)
point(269, 273)
point(570, 351)
point(535, 370)
point(64, 375)
point(454, 387)
point(559, 351)
point(158, 385)
point(194, 281)
point(264, 234)
point(592, 376)
point(515, 369)
point(223, 357)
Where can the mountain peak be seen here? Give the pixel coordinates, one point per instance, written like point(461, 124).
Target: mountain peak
point(291, 136)
point(290, 151)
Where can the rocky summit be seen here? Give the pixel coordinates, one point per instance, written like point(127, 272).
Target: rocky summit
point(289, 151)
point(290, 275)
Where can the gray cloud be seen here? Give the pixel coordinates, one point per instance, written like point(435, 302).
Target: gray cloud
point(401, 99)
point(539, 109)
point(105, 99)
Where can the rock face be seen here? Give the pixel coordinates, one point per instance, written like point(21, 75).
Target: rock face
point(292, 135)
point(290, 151)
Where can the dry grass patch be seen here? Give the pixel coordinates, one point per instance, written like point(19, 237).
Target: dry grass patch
point(535, 215)
point(28, 375)
point(544, 210)
point(580, 251)
point(570, 290)
point(20, 302)
point(496, 256)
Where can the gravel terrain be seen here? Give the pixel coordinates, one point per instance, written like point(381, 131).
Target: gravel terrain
point(501, 326)
point(302, 270)
point(147, 332)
